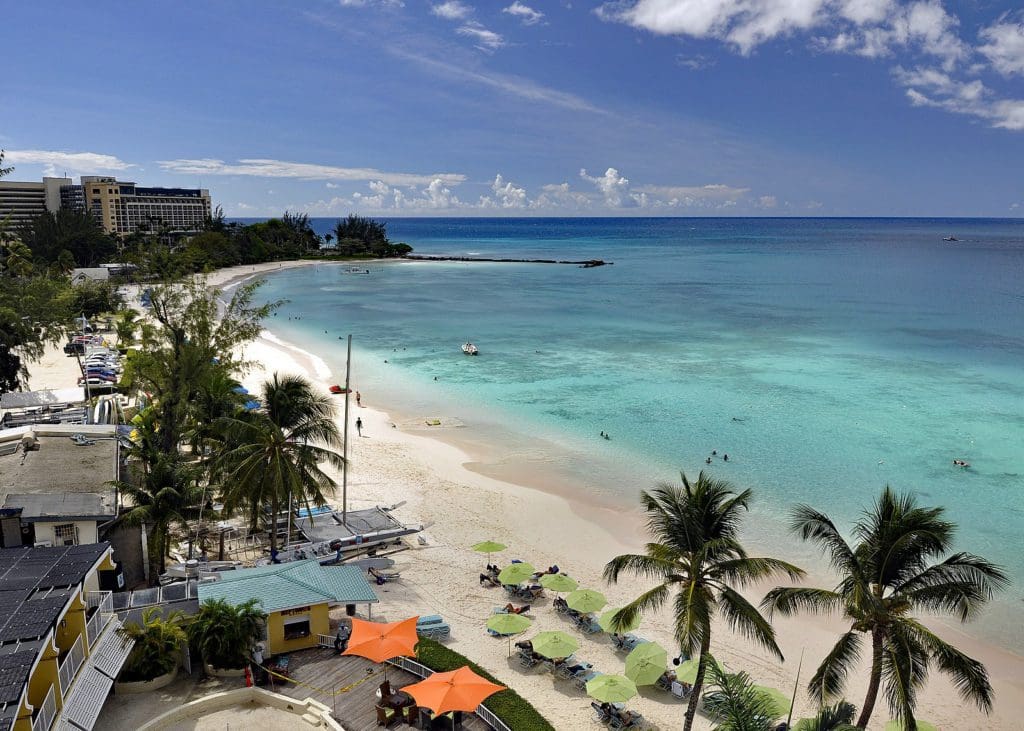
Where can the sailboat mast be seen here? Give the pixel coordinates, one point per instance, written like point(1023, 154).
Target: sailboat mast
point(344, 467)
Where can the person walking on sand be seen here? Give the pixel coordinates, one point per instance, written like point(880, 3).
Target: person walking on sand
point(359, 399)
point(359, 426)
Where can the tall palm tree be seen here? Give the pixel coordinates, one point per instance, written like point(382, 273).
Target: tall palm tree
point(275, 453)
point(895, 568)
point(162, 493)
point(695, 552)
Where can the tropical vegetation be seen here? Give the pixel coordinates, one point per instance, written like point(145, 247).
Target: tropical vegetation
point(224, 634)
point(699, 563)
point(898, 565)
point(272, 456)
point(158, 642)
point(734, 704)
point(837, 717)
point(358, 236)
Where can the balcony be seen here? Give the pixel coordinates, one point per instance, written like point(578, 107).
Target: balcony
point(69, 668)
point(101, 604)
point(44, 717)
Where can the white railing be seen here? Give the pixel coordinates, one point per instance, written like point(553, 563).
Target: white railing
point(94, 627)
point(102, 599)
point(422, 671)
point(44, 719)
point(69, 668)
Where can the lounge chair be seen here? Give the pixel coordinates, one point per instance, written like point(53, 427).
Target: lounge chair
point(429, 619)
point(527, 658)
point(504, 610)
point(587, 624)
point(569, 670)
point(434, 631)
point(601, 713)
point(585, 677)
point(626, 643)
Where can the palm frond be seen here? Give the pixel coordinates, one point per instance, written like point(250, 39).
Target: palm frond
point(734, 704)
point(818, 528)
point(744, 571)
point(744, 618)
point(829, 679)
point(969, 676)
point(789, 600)
point(638, 564)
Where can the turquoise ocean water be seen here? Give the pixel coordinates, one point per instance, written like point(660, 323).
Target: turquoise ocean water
point(827, 357)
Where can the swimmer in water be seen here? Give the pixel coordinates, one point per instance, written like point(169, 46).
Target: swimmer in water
point(708, 460)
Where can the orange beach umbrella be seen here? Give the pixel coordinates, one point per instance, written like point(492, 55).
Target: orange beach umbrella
point(458, 690)
point(380, 641)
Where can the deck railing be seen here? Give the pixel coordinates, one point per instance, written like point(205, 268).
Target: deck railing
point(70, 666)
point(103, 603)
point(47, 711)
point(102, 599)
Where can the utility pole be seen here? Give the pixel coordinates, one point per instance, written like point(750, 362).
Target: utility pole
point(344, 467)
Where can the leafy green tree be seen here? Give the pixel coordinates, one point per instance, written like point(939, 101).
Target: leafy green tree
point(158, 640)
point(696, 554)
point(274, 454)
point(895, 568)
point(733, 703)
point(224, 634)
point(126, 327)
point(70, 230)
point(217, 397)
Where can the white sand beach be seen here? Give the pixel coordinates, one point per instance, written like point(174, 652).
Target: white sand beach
point(392, 463)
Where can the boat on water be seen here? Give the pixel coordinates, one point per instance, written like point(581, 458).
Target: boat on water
point(950, 238)
point(336, 389)
point(355, 270)
point(470, 349)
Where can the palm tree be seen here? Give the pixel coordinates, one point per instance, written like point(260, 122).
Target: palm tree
point(894, 569)
point(163, 493)
point(695, 551)
point(225, 633)
point(837, 717)
point(158, 640)
point(735, 705)
point(274, 454)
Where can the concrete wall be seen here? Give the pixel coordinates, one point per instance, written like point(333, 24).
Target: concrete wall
point(127, 544)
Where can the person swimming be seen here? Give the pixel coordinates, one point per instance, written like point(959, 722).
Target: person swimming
point(707, 461)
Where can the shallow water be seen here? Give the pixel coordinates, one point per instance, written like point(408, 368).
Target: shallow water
point(826, 357)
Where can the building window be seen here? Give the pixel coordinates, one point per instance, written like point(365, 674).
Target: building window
point(65, 535)
point(296, 627)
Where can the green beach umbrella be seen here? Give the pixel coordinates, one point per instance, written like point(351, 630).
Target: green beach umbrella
point(646, 663)
point(516, 573)
point(554, 644)
point(779, 701)
point(489, 547)
point(687, 671)
point(921, 726)
point(508, 624)
point(606, 622)
point(558, 582)
point(611, 688)
point(586, 601)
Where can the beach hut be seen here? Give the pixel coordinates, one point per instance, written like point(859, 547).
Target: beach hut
point(295, 597)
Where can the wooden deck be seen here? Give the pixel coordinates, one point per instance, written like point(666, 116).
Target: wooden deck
point(321, 671)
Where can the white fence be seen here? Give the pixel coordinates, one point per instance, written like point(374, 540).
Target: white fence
point(44, 719)
point(104, 605)
point(72, 663)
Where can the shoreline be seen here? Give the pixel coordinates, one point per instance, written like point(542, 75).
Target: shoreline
point(562, 522)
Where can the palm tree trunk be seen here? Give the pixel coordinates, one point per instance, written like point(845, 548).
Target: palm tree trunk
point(876, 679)
point(702, 664)
point(155, 548)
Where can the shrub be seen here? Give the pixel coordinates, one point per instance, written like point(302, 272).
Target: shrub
point(224, 634)
point(507, 705)
point(157, 644)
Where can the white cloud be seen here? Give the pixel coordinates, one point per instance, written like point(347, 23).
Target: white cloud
point(712, 191)
point(767, 201)
point(56, 162)
point(560, 196)
point(508, 195)
point(509, 84)
point(332, 185)
point(528, 15)
point(1004, 47)
point(486, 40)
point(364, 3)
point(264, 168)
point(931, 88)
point(451, 10)
point(613, 186)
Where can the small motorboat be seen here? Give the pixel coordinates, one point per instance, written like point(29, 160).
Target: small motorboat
point(336, 389)
point(950, 238)
point(470, 349)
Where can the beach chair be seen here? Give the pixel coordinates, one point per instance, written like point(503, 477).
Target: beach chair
point(587, 624)
point(429, 619)
point(528, 659)
point(585, 677)
point(626, 643)
point(564, 671)
point(600, 713)
point(434, 631)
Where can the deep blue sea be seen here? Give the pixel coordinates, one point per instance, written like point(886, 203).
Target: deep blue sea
point(826, 357)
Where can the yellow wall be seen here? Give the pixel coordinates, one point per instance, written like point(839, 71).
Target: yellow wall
point(319, 624)
point(73, 625)
point(43, 676)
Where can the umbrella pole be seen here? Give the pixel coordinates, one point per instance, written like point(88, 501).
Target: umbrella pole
point(792, 701)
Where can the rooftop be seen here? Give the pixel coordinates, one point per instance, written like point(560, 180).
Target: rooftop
point(60, 465)
point(289, 585)
point(45, 507)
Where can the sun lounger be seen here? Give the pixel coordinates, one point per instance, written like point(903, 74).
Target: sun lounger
point(566, 672)
point(429, 619)
point(528, 659)
point(585, 677)
point(504, 610)
point(586, 624)
point(635, 720)
point(434, 631)
point(626, 643)
point(600, 712)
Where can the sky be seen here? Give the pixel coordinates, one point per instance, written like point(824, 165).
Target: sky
point(535, 107)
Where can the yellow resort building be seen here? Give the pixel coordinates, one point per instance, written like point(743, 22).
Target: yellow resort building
point(295, 597)
point(59, 646)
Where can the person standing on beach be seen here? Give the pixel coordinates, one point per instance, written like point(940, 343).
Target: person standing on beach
point(359, 426)
point(359, 399)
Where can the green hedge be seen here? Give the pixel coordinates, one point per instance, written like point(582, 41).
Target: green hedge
point(507, 705)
